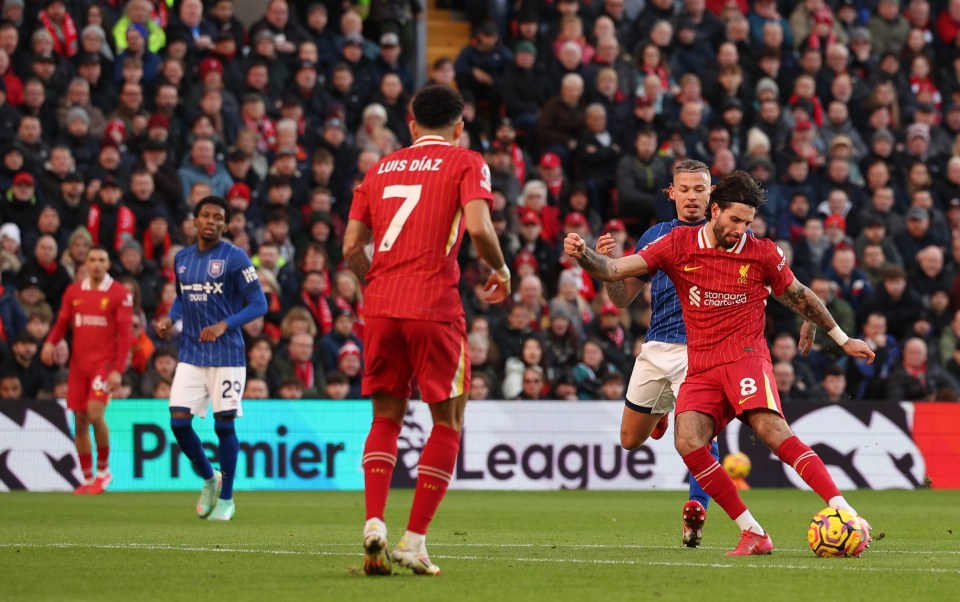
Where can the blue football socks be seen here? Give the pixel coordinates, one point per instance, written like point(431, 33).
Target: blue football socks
point(229, 450)
point(190, 445)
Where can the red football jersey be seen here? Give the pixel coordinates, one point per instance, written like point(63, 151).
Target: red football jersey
point(723, 292)
point(101, 321)
point(413, 201)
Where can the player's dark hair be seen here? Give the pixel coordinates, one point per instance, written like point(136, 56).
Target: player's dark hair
point(738, 187)
point(213, 200)
point(436, 107)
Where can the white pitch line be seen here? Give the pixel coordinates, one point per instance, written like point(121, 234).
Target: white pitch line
point(826, 565)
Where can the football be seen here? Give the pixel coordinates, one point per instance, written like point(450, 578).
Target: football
point(737, 465)
point(834, 533)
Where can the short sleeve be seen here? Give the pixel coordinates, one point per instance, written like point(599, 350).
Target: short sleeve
point(778, 274)
point(475, 182)
point(360, 207)
point(659, 253)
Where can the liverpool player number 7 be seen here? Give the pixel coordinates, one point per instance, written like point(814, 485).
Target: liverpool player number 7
point(723, 277)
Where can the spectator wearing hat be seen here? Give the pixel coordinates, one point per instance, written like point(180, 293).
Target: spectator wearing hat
point(136, 48)
point(131, 264)
point(70, 203)
point(615, 341)
point(481, 64)
point(21, 204)
point(221, 16)
point(103, 93)
point(917, 235)
point(340, 334)
point(109, 221)
point(364, 74)
point(26, 365)
point(388, 61)
point(692, 53)
point(532, 241)
point(525, 90)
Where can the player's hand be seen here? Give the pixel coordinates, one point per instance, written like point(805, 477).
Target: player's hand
point(114, 380)
point(808, 332)
point(212, 332)
point(574, 246)
point(496, 290)
point(163, 327)
point(605, 244)
point(857, 348)
point(46, 354)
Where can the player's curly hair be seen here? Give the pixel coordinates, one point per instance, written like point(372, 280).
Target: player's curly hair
point(739, 187)
point(436, 107)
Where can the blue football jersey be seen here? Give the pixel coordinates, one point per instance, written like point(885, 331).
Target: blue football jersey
point(666, 319)
point(212, 286)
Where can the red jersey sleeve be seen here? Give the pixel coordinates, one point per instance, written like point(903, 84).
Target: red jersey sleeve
point(59, 330)
point(475, 181)
point(124, 321)
point(777, 273)
point(660, 254)
point(360, 208)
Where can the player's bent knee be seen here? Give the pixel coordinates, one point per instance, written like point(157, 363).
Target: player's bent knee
point(630, 441)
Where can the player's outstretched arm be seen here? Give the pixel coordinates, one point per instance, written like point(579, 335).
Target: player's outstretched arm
point(624, 292)
point(484, 237)
point(355, 241)
point(600, 266)
point(808, 306)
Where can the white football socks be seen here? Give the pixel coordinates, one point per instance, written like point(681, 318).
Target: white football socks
point(746, 522)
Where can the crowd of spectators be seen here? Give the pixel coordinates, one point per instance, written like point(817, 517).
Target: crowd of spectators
point(116, 117)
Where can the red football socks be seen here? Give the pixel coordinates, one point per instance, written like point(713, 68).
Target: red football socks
point(86, 466)
point(809, 466)
point(379, 458)
point(715, 481)
point(437, 463)
point(103, 459)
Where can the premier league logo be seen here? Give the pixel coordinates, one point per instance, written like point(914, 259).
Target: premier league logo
point(215, 268)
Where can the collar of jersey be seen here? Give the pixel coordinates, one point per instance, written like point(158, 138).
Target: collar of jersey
point(427, 140)
point(104, 284)
point(703, 243)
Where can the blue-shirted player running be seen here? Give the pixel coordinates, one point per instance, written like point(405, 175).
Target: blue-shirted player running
point(217, 292)
point(662, 364)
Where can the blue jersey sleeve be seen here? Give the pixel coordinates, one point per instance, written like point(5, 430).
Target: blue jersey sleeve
point(247, 283)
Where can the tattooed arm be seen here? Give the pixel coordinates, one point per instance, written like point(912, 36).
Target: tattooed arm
point(620, 293)
point(808, 306)
point(600, 266)
point(355, 241)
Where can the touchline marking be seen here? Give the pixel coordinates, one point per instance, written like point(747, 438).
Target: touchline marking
point(825, 566)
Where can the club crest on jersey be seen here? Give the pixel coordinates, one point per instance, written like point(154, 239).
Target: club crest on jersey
point(104, 302)
point(743, 274)
point(215, 268)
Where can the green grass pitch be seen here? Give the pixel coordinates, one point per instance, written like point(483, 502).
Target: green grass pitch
point(504, 546)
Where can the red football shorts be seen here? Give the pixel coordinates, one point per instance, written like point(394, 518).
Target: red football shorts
point(83, 388)
point(395, 350)
point(727, 391)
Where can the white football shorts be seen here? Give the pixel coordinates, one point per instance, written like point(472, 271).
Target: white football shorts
point(657, 375)
point(195, 387)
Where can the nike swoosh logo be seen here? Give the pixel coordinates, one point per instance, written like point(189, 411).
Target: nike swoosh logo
point(688, 268)
point(77, 302)
point(747, 398)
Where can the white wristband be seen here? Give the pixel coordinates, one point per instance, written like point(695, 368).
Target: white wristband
point(503, 273)
point(836, 333)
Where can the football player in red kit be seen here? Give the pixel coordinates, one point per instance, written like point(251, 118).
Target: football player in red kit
point(100, 311)
point(414, 206)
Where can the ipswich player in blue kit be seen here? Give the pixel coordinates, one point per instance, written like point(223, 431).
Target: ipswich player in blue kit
point(217, 292)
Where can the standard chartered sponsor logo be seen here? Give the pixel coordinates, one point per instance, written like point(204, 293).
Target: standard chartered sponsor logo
point(85, 320)
point(714, 298)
